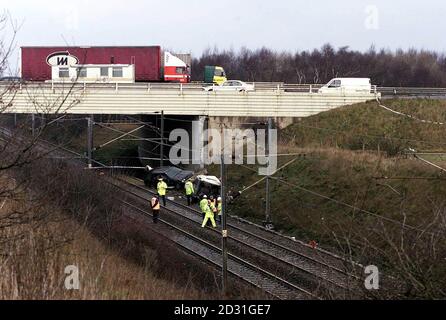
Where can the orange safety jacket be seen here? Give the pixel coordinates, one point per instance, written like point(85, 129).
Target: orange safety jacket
point(212, 205)
point(155, 204)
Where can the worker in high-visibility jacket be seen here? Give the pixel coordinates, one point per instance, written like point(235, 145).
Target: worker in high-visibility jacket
point(203, 204)
point(219, 209)
point(213, 204)
point(189, 189)
point(208, 214)
point(155, 204)
point(162, 190)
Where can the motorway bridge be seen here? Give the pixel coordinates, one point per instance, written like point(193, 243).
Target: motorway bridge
point(185, 103)
point(268, 100)
point(188, 100)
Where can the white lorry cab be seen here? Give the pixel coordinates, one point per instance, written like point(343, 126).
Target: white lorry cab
point(347, 85)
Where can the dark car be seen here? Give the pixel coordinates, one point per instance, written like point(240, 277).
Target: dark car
point(173, 176)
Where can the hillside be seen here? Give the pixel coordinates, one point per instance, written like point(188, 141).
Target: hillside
point(370, 127)
point(345, 151)
point(61, 216)
point(354, 190)
point(36, 263)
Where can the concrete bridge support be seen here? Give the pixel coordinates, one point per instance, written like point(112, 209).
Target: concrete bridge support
point(150, 149)
point(196, 128)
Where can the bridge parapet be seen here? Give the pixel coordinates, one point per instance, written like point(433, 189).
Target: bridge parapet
point(148, 99)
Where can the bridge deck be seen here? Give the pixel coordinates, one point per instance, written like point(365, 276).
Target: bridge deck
point(139, 99)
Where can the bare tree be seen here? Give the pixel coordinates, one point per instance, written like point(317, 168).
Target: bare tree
point(386, 68)
point(18, 147)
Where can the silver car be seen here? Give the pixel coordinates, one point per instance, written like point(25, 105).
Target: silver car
point(231, 85)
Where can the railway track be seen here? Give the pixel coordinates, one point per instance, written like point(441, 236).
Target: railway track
point(209, 253)
point(315, 270)
point(283, 269)
point(237, 267)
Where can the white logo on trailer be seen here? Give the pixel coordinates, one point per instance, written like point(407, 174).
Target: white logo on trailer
point(62, 59)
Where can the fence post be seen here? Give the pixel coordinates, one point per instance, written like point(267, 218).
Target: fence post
point(224, 231)
point(162, 140)
point(33, 124)
point(90, 123)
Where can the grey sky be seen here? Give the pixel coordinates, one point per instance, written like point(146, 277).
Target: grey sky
point(193, 25)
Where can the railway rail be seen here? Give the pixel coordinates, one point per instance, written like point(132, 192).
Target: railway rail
point(282, 268)
point(298, 262)
point(239, 268)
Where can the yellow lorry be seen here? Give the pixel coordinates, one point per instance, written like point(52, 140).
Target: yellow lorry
point(214, 74)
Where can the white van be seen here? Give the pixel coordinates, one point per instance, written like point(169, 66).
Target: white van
point(347, 85)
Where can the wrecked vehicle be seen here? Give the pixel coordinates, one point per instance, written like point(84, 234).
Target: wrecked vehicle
point(173, 176)
point(206, 185)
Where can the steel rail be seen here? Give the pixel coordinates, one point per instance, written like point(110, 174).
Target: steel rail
point(252, 247)
point(308, 271)
point(262, 239)
point(231, 256)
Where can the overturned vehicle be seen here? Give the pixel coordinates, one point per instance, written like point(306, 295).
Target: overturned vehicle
point(206, 185)
point(173, 176)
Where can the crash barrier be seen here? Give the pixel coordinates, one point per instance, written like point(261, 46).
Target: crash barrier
point(404, 91)
point(258, 86)
point(82, 98)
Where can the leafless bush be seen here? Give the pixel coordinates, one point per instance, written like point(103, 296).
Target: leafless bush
point(18, 147)
point(33, 266)
point(411, 260)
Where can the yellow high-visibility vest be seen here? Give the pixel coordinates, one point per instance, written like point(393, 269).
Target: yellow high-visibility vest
point(162, 187)
point(189, 188)
point(209, 212)
point(204, 205)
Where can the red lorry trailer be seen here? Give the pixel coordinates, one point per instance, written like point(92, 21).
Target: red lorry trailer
point(147, 63)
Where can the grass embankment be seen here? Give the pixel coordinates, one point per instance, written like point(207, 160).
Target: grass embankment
point(347, 149)
point(33, 266)
point(366, 126)
point(354, 174)
point(59, 216)
point(345, 176)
